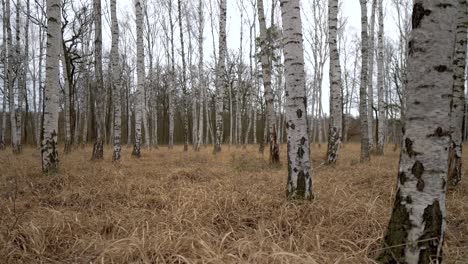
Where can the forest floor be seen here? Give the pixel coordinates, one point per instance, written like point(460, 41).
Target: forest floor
point(175, 207)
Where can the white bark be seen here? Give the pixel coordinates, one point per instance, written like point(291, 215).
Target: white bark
point(416, 230)
point(49, 146)
point(184, 80)
point(9, 78)
point(66, 107)
point(362, 91)
point(116, 86)
point(457, 110)
point(139, 102)
point(5, 78)
point(201, 79)
point(98, 149)
point(299, 183)
point(336, 107)
point(266, 53)
point(21, 82)
point(173, 79)
point(380, 84)
point(220, 83)
point(370, 79)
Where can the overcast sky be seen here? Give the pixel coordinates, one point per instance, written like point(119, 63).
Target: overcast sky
point(350, 10)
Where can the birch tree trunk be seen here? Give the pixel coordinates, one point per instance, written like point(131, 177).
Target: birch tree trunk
point(416, 230)
point(66, 107)
point(98, 149)
point(11, 95)
point(336, 106)
point(251, 91)
point(220, 69)
point(40, 87)
point(201, 79)
point(49, 144)
point(5, 77)
point(299, 185)
point(20, 77)
point(172, 81)
point(139, 102)
point(458, 98)
point(184, 80)
point(362, 91)
point(266, 52)
point(116, 87)
point(370, 82)
point(380, 84)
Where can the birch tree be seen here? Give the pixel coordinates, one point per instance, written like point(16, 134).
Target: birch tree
point(299, 184)
point(370, 79)
point(336, 106)
point(139, 102)
point(220, 83)
point(10, 82)
point(184, 79)
point(458, 101)
point(98, 149)
point(116, 87)
point(416, 230)
point(362, 91)
point(380, 84)
point(266, 53)
point(5, 76)
point(20, 75)
point(49, 144)
point(201, 78)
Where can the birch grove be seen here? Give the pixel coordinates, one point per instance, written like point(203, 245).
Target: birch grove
point(145, 79)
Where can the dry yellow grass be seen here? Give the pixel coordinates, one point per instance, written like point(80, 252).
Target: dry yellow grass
point(175, 207)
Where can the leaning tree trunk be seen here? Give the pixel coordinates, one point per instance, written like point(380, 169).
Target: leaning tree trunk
point(380, 85)
point(116, 87)
point(457, 111)
point(362, 91)
point(220, 76)
point(49, 144)
point(266, 52)
point(98, 149)
point(139, 102)
point(415, 233)
point(336, 107)
point(299, 165)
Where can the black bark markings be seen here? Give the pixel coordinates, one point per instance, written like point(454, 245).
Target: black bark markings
point(439, 132)
point(402, 177)
point(430, 238)
point(397, 233)
point(418, 14)
point(409, 148)
point(299, 113)
point(418, 170)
